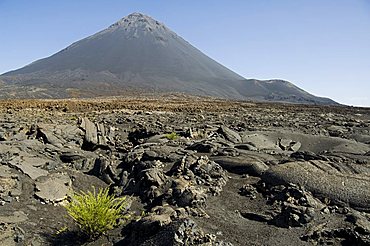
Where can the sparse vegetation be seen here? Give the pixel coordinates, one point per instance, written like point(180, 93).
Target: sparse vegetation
point(97, 212)
point(172, 136)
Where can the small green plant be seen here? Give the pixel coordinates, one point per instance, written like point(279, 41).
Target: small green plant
point(172, 136)
point(96, 213)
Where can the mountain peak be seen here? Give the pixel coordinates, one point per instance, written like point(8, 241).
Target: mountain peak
point(137, 15)
point(136, 20)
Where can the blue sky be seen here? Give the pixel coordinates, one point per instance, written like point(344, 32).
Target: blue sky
point(321, 46)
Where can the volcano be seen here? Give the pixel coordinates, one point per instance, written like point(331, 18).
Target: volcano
point(140, 54)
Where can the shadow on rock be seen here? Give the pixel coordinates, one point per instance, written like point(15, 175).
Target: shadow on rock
point(67, 238)
point(180, 232)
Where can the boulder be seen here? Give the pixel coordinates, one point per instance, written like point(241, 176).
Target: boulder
point(30, 165)
point(49, 137)
point(246, 146)
point(289, 145)
point(192, 196)
point(248, 190)
point(323, 180)
point(153, 176)
point(103, 170)
point(91, 134)
point(68, 157)
point(241, 164)
point(260, 140)
point(53, 188)
point(294, 216)
point(202, 147)
point(229, 134)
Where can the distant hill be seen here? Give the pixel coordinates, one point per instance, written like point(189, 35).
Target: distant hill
point(140, 54)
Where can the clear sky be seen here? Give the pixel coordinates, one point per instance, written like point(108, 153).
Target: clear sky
point(322, 46)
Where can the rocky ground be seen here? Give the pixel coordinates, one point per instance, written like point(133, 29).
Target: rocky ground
point(204, 171)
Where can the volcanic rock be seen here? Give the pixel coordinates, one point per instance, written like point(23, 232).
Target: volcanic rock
point(323, 180)
point(30, 165)
point(242, 164)
point(53, 188)
point(256, 191)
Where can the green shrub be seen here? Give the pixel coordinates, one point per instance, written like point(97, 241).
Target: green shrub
point(96, 213)
point(172, 136)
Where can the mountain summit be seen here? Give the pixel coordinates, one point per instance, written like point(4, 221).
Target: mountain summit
point(138, 53)
point(138, 20)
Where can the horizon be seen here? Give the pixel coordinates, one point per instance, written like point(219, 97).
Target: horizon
point(328, 58)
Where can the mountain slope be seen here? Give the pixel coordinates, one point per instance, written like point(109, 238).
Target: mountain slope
point(138, 53)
